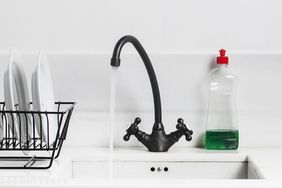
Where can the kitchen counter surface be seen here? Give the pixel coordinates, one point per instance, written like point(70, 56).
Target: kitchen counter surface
point(268, 161)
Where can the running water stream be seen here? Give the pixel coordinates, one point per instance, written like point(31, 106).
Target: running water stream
point(112, 119)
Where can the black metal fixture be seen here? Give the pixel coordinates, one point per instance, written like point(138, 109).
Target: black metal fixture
point(158, 140)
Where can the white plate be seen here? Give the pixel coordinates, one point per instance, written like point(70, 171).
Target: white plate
point(2, 130)
point(17, 97)
point(43, 99)
point(2, 125)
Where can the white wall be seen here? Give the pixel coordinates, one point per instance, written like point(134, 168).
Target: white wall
point(85, 78)
point(162, 25)
point(182, 38)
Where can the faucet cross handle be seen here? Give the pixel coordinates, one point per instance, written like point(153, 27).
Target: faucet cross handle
point(182, 126)
point(132, 129)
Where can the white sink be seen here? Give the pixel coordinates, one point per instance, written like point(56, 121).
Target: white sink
point(192, 169)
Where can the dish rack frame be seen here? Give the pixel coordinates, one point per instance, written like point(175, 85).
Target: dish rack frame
point(43, 150)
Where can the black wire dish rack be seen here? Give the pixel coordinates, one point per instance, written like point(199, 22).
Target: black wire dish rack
point(24, 139)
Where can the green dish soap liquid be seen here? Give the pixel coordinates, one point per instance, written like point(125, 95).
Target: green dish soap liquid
point(222, 139)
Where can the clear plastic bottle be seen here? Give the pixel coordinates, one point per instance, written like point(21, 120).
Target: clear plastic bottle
point(222, 129)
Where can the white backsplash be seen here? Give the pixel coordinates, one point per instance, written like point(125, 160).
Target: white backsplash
point(161, 25)
point(85, 78)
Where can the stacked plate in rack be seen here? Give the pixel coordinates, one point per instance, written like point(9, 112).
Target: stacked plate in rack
point(17, 98)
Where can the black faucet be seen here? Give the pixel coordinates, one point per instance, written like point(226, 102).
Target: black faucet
point(158, 140)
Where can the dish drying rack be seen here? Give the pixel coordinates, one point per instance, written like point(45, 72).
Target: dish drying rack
point(36, 151)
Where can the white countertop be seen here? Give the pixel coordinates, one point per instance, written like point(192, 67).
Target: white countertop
point(268, 161)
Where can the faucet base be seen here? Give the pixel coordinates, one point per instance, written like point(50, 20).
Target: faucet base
point(158, 140)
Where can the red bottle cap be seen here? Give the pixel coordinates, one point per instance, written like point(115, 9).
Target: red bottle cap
point(222, 59)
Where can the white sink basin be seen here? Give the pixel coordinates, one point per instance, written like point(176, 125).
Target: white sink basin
point(192, 169)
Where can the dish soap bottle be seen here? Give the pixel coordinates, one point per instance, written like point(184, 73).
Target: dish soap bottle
point(222, 131)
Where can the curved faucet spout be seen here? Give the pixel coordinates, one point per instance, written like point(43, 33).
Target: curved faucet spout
point(115, 61)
